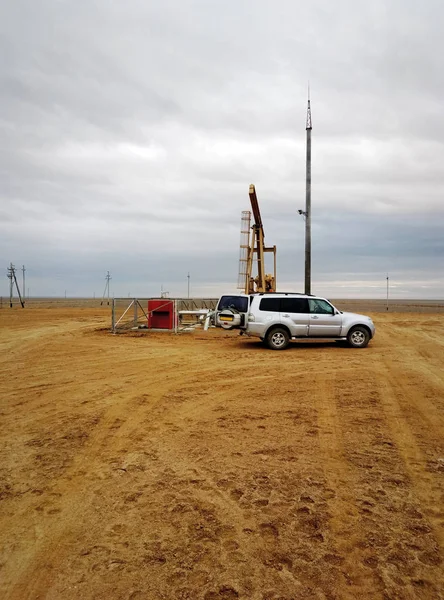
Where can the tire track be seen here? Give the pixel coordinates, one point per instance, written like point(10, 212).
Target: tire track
point(360, 580)
point(87, 465)
point(400, 403)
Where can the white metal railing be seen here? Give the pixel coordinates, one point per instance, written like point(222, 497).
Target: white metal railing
point(199, 308)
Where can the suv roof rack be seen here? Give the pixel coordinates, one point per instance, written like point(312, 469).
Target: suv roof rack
point(281, 293)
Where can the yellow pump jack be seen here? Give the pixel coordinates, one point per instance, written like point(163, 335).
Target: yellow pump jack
point(255, 251)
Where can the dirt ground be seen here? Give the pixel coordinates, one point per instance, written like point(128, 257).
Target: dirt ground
point(203, 466)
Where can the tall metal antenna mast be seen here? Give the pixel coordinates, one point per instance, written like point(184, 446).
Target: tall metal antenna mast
point(308, 128)
point(106, 290)
point(188, 277)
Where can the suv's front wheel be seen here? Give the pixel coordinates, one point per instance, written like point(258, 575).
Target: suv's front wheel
point(358, 337)
point(277, 338)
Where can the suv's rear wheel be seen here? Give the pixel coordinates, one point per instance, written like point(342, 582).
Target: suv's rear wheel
point(358, 337)
point(277, 339)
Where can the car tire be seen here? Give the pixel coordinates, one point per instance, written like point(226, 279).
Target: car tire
point(278, 338)
point(358, 337)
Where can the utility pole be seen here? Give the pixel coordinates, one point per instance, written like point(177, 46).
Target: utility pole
point(13, 279)
point(308, 129)
point(188, 277)
point(106, 290)
point(18, 290)
point(24, 288)
point(387, 306)
point(11, 283)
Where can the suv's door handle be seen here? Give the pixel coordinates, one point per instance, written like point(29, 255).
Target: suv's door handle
point(315, 317)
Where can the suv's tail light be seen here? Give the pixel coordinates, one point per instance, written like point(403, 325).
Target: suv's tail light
point(250, 318)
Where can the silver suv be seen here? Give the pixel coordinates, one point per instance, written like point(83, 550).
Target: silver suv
point(276, 318)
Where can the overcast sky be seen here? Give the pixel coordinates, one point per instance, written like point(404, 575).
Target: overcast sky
point(131, 130)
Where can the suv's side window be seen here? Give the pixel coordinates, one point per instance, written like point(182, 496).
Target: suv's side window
point(294, 305)
point(320, 307)
point(270, 304)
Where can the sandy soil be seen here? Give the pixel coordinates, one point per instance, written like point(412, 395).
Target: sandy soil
point(202, 466)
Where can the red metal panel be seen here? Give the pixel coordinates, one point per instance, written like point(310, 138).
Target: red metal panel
point(161, 314)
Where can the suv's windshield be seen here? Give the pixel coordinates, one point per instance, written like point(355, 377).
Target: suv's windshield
point(239, 303)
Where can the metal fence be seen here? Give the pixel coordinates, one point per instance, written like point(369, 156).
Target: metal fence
point(131, 314)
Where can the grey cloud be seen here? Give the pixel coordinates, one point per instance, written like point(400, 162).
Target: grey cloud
point(132, 130)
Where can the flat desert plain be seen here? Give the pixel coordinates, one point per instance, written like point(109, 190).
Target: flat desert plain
point(202, 466)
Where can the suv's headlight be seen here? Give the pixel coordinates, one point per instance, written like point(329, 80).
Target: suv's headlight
point(250, 318)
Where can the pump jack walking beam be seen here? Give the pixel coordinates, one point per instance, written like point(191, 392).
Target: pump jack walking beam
point(257, 246)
